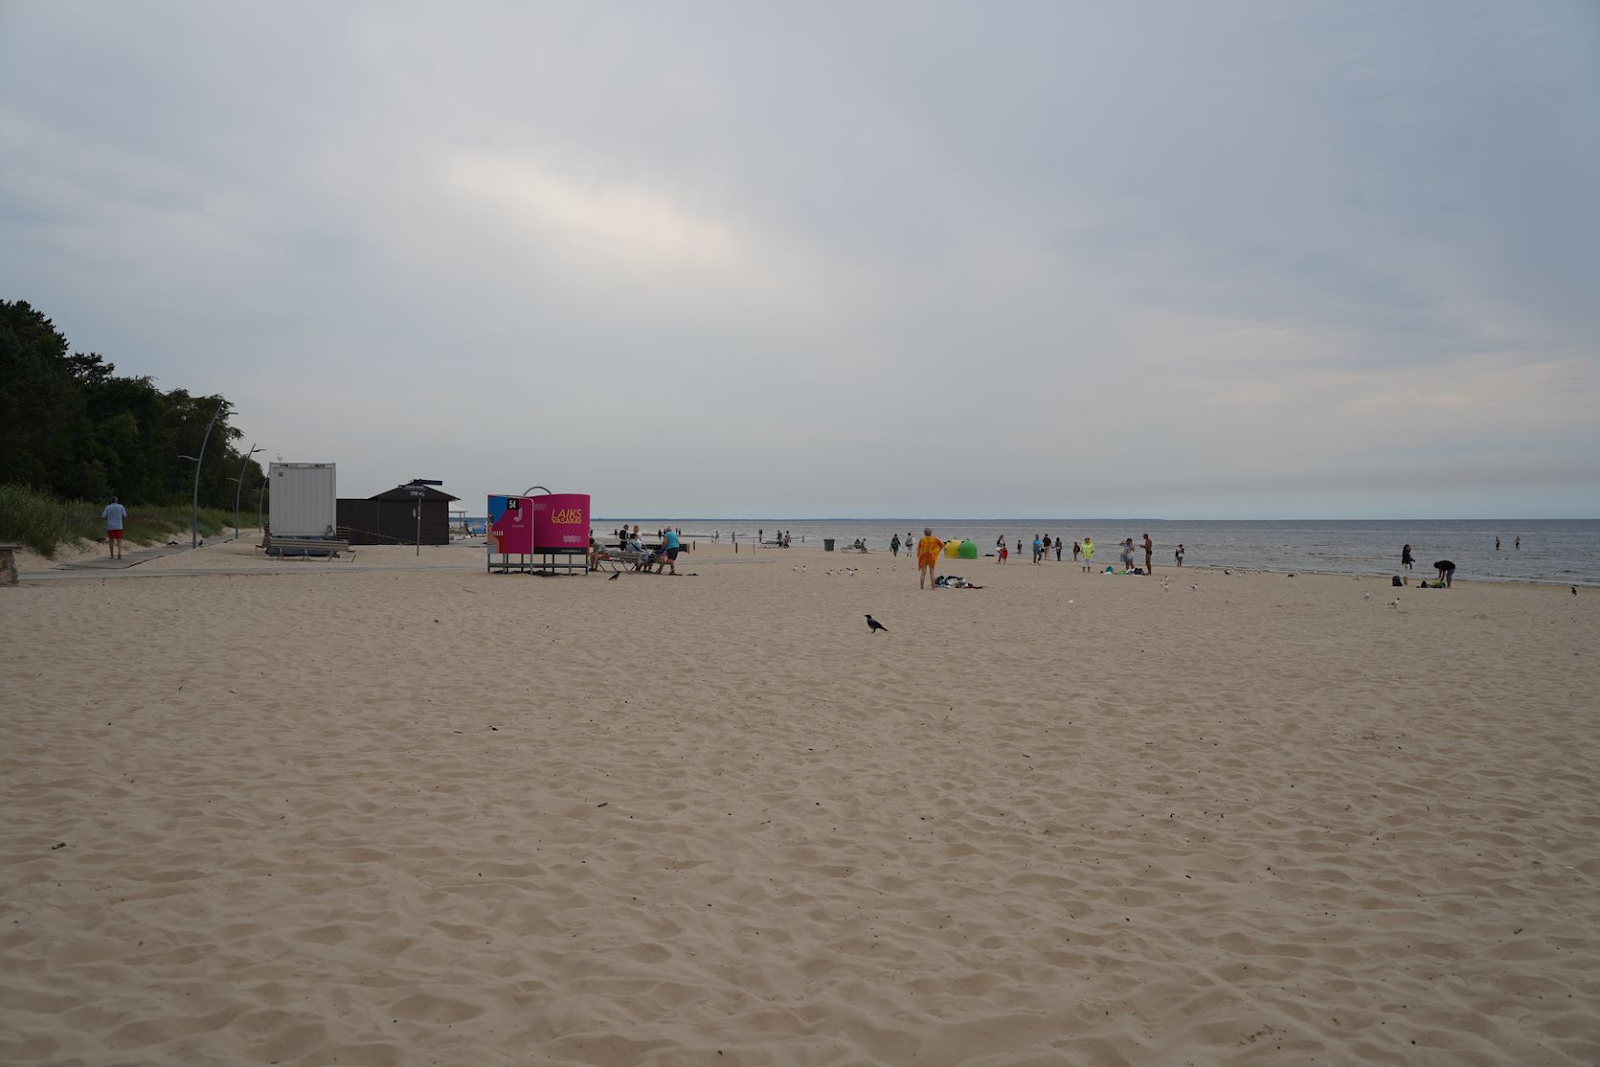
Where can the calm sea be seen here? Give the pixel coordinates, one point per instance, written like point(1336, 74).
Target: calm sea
point(1553, 550)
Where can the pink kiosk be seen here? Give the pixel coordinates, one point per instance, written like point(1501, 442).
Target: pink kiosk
point(539, 534)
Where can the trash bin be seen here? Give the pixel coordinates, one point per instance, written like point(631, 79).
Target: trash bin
point(827, 544)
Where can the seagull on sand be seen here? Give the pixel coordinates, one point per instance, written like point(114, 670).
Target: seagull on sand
point(874, 626)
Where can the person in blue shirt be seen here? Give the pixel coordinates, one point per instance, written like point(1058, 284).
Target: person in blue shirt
point(669, 550)
point(115, 515)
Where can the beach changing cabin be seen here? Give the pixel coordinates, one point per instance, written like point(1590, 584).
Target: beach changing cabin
point(390, 518)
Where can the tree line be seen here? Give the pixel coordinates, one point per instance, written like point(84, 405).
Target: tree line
point(72, 427)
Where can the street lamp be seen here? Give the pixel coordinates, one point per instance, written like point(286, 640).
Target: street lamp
point(240, 488)
point(418, 488)
point(194, 514)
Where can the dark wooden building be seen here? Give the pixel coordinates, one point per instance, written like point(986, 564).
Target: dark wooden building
point(390, 518)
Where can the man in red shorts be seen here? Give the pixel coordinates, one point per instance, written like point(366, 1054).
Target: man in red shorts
point(114, 514)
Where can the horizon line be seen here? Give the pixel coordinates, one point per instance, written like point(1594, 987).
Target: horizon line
point(1113, 518)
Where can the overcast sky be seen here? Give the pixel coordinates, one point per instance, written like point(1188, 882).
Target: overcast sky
point(1217, 260)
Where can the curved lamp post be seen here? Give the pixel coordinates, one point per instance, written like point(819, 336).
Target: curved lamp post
point(240, 488)
point(194, 513)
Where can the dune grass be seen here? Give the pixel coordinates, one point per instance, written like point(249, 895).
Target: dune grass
point(45, 523)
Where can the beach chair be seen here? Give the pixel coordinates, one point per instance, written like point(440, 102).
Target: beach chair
point(622, 559)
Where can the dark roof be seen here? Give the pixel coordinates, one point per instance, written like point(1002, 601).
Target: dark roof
point(400, 492)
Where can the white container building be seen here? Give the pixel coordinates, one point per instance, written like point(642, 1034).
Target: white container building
point(304, 499)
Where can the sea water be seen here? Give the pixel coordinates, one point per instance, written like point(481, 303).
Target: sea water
point(1566, 551)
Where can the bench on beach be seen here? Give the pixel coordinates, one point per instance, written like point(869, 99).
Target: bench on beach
point(8, 564)
point(305, 547)
point(620, 559)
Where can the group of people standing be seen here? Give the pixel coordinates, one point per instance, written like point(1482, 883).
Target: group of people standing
point(929, 547)
point(1085, 554)
point(1042, 544)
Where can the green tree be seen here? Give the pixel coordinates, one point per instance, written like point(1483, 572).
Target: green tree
point(70, 426)
point(40, 404)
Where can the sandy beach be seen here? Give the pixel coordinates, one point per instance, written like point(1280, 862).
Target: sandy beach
point(396, 810)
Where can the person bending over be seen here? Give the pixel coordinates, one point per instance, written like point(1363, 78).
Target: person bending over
point(669, 551)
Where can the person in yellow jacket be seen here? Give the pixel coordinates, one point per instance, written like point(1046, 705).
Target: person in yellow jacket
point(1088, 554)
point(928, 550)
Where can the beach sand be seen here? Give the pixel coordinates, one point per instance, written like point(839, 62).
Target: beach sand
point(395, 810)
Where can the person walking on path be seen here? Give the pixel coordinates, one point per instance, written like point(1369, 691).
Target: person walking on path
point(1149, 548)
point(114, 515)
point(1088, 554)
point(894, 546)
point(928, 550)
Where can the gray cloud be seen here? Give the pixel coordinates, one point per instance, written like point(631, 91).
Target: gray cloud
point(1058, 259)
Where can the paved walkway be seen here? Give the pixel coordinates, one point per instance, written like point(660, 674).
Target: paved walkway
point(128, 566)
point(130, 558)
